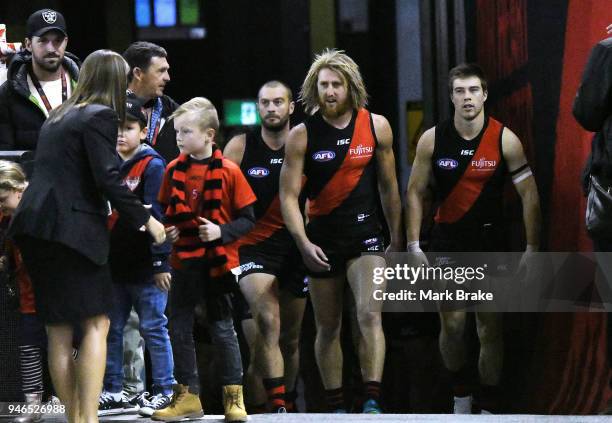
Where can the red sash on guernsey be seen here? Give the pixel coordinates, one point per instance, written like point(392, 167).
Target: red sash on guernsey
point(485, 161)
point(131, 180)
point(346, 178)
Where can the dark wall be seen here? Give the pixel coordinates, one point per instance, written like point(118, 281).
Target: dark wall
point(247, 44)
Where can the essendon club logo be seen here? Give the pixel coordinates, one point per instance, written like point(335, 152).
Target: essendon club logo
point(132, 183)
point(447, 164)
point(258, 172)
point(323, 156)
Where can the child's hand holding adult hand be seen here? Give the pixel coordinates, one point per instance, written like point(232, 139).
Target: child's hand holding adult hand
point(208, 231)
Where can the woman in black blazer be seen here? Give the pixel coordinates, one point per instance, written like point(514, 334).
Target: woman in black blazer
point(60, 227)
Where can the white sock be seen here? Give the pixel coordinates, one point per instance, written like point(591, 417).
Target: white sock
point(462, 405)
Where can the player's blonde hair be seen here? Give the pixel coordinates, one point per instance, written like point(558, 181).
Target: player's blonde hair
point(203, 110)
point(12, 176)
point(339, 62)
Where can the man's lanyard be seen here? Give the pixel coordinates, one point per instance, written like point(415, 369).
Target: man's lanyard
point(155, 120)
point(42, 94)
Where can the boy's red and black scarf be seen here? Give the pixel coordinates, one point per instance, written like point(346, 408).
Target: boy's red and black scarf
point(189, 247)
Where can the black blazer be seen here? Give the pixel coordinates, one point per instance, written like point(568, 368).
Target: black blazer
point(76, 170)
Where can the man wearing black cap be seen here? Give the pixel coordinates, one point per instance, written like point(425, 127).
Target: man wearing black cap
point(39, 79)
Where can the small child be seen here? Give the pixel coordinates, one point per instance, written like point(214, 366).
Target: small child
point(141, 274)
point(209, 204)
point(32, 338)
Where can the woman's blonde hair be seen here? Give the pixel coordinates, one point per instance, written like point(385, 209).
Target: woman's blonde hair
point(102, 80)
point(12, 176)
point(339, 62)
point(204, 111)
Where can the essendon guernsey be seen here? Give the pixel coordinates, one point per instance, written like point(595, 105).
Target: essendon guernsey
point(340, 170)
point(469, 175)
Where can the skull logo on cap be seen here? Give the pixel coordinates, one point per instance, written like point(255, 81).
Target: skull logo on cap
point(49, 16)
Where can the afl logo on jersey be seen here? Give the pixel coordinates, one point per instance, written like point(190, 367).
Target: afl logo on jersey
point(258, 172)
point(324, 156)
point(447, 164)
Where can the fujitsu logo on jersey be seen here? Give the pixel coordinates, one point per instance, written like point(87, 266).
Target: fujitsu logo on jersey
point(361, 151)
point(323, 156)
point(482, 163)
point(258, 172)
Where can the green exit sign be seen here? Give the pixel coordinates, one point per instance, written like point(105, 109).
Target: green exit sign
point(240, 113)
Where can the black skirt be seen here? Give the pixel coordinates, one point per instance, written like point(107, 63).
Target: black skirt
point(68, 287)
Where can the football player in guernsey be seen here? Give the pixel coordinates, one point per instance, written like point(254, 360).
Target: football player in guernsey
point(271, 275)
point(346, 154)
point(466, 160)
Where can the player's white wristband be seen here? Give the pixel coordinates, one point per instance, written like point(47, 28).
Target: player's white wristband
point(530, 248)
point(413, 247)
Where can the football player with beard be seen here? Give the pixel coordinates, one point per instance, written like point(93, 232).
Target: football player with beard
point(346, 154)
point(271, 276)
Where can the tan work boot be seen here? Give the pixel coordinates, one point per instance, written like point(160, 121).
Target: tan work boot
point(184, 405)
point(233, 403)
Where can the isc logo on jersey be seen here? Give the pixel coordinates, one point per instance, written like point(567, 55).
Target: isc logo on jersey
point(447, 164)
point(323, 156)
point(276, 161)
point(258, 172)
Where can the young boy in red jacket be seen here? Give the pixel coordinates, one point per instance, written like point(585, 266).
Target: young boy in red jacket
point(209, 204)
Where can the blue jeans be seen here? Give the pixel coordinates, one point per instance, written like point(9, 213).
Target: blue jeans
point(185, 294)
point(150, 303)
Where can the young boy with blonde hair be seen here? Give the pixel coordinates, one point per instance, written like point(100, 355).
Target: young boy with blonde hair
point(208, 204)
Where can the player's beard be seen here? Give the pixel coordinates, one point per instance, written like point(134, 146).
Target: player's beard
point(275, 127)
point(333, 112)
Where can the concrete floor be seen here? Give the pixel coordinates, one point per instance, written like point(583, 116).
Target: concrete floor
point(386, 418)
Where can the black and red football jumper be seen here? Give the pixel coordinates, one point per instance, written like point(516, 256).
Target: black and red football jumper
point(268, 247)
point(469, 177)
point(342, 189)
